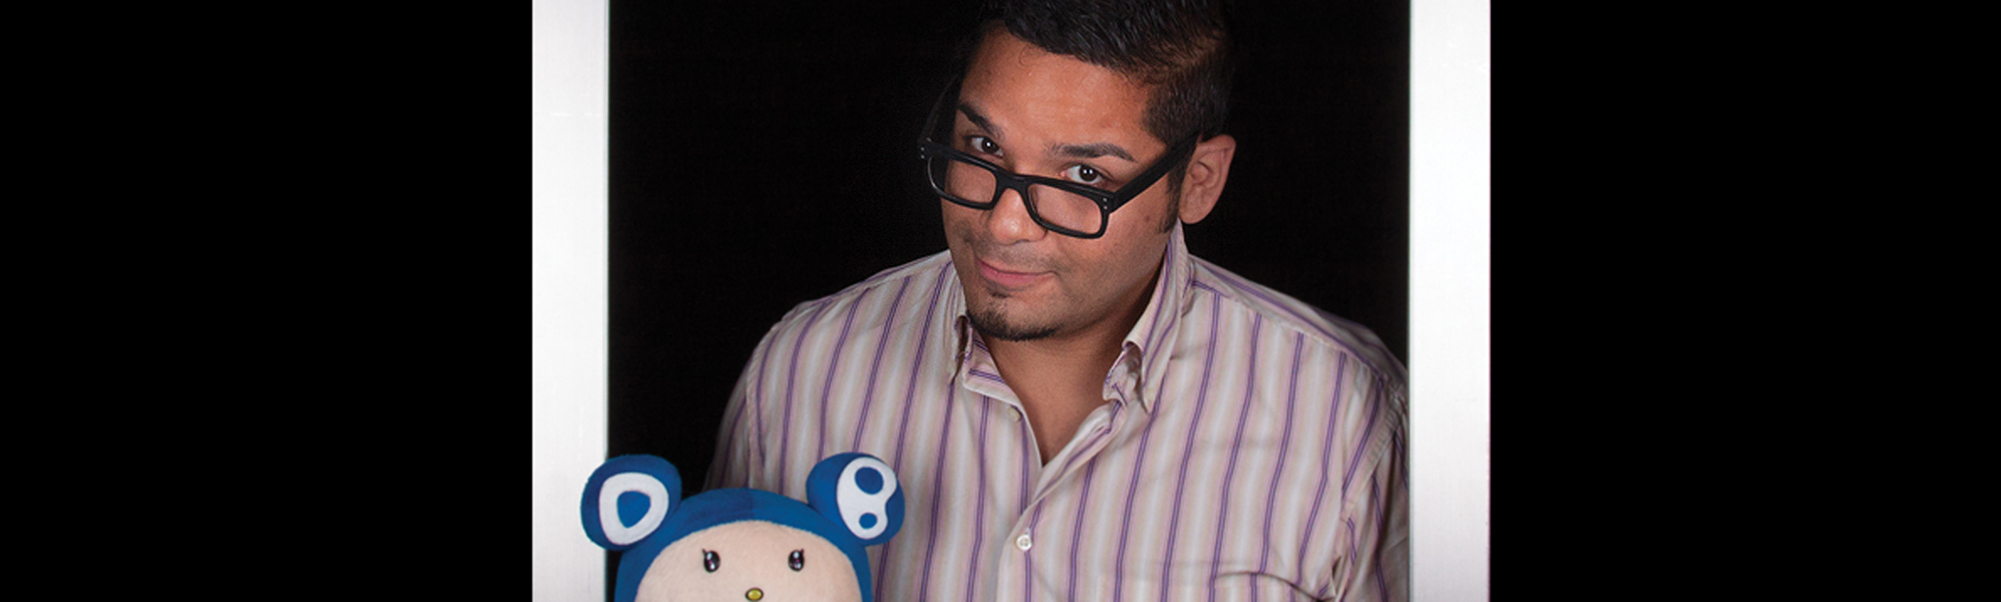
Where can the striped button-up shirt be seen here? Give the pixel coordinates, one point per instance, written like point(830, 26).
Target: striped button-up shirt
point(1251, 447)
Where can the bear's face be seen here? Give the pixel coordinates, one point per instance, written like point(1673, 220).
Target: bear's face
point(750, 560)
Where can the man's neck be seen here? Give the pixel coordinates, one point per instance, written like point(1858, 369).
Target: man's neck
point(1060, 379)
point(1038, 363)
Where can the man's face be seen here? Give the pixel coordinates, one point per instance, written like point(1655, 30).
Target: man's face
point(1042, 114)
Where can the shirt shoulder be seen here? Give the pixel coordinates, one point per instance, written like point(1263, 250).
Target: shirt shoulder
point(876, 298)
point(809, 378)
point(1317, 325)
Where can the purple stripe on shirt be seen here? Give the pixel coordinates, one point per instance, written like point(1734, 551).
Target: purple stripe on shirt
point(1326, 460)
point(979, 502)
point(875, 365)
point(917, 359)
point(1089, 469)
point(1028, 559)
point(757, 416)
point(1284, 441)
point(1194, 426)
point(937, 493)
point(1355, 457)
point(1031, 456)
point(1353, 556)
point(1132, 493)
point(1154, 354)
point(1077, 528)
point(1303, 319)
point(834, 371)
point(1381, 526)
point(791, 383)
point(909, 399)
point(910, 402)
point(1236, 445)
point(1309, 321)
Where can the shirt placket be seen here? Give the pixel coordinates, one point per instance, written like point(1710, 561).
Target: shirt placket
point(1015, 569)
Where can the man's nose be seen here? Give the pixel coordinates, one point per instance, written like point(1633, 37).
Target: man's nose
point(1009, 221)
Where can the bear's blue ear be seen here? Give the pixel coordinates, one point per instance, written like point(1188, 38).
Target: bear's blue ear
point(859, 493)
point(627, 498)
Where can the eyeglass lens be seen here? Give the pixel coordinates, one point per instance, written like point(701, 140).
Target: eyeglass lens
point(974, 185)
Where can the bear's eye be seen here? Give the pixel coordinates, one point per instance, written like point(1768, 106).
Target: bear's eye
point(798, 559)
point(711, 561)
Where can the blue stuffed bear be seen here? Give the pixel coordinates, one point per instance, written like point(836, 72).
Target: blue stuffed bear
point(727, 543)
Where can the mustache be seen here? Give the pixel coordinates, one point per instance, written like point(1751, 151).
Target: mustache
point(1015, 262)
point(1012, 257)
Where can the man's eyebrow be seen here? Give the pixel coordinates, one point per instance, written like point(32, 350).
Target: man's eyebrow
point(979, 120)
point(1093, 151)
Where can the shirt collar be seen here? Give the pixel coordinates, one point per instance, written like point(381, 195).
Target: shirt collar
point(1151, 341)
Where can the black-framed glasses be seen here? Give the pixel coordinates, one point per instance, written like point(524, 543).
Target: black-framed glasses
point(1060, 206)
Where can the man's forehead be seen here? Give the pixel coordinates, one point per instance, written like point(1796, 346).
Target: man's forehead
point(1011, 82)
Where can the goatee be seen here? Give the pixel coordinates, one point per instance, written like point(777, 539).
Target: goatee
point(992, 325)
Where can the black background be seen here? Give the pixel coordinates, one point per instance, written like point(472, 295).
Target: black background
point(762, 154)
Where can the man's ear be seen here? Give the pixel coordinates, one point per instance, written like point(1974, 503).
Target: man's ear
point(1208, 170)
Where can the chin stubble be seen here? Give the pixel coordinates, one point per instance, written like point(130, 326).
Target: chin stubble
point(990, 324)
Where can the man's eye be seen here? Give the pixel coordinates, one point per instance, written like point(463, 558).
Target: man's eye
point(798, 560)
point(1084, 174)
point(983, 144)
point(711, 561)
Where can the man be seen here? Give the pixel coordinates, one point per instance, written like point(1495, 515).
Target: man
point(1077, 408)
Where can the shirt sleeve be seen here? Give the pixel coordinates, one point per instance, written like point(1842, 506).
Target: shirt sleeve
point(1377, 565)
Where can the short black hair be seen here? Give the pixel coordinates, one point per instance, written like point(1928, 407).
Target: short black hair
point(1180, 48)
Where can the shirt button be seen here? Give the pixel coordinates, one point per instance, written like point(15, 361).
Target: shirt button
point(1023, 542)
point(1014, 414)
